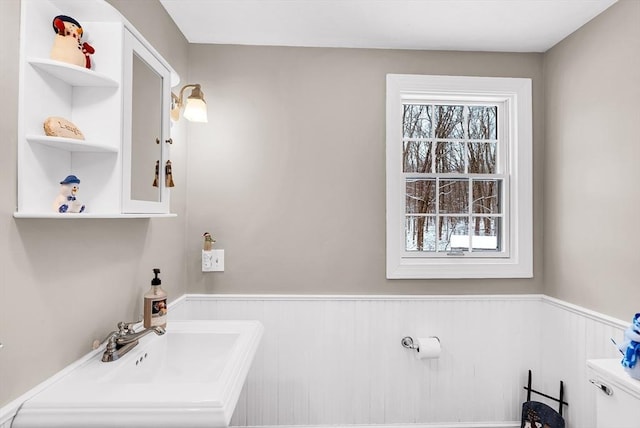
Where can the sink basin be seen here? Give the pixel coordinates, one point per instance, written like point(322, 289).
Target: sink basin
point(189, 377)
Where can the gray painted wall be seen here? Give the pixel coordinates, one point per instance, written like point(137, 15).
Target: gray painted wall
point(289, 177)
point(64, 283)
point(592, 150)
point(289, 173)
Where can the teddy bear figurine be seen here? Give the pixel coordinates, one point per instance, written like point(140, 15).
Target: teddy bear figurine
point(66, 201)
point(67, 45)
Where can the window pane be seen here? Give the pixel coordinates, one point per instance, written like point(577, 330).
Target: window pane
point(444, 139)
point(486, 196)
point(450, 157)
point(416, 156)
point(487, 233)
point(416, 121)
point(454, 196)
point(453, 234)
point(449, 122)
point(482, 158)
point(483, 122)
point(420, 196)
point(420, 233)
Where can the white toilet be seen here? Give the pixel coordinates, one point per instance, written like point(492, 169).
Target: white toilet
point(617, 394)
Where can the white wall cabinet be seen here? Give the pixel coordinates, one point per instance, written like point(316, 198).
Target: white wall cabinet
point(99, 102)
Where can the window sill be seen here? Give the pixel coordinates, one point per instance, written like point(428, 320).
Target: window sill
point(413, 268)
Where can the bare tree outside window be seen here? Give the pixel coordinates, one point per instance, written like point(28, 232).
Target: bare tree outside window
point(453, 194)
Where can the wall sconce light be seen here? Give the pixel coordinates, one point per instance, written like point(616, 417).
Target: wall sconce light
point(195, 108)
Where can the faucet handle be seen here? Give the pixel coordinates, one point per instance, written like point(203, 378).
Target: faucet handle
point(127, 327)
point(124, 328)
point(96, 343)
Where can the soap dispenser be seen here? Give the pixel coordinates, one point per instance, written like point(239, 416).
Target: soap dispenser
point(155, 304)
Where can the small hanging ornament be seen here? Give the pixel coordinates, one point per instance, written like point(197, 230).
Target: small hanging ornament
point(168, 176)
point(155, 180)
point(208, 242)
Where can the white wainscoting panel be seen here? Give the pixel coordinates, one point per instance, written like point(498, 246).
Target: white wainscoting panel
point(570, 336)
point(337, 360)
point(332, 360)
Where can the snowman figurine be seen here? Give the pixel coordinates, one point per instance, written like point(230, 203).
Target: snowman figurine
point(630, 348)
point(67, 44)
point(66, 201)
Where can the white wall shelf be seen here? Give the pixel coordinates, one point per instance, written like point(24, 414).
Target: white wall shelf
point(68, 216)
point(72, 74)
point(71, 145)
point(97, 101)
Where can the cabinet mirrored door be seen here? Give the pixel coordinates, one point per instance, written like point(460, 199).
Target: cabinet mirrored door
point(147, 95)
point(146, 127)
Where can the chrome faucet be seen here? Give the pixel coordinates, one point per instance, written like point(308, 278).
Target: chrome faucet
point(121, 341)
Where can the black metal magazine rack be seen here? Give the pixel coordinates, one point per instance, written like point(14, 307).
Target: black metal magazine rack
point(535, 414)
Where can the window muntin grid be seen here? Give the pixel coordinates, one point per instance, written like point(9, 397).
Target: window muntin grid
point(454, 182)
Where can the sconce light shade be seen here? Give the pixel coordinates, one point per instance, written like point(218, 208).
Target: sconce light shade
point(195, 108)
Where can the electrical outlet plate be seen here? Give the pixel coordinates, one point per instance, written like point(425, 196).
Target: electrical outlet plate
point(213, 261)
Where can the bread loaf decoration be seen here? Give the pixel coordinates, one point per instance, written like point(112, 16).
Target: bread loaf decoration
point(61, 127)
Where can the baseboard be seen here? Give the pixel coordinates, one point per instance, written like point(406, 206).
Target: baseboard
point(439, 425)
point(511, 424)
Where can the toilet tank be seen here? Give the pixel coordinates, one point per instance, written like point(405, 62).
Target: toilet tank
point(617, 394)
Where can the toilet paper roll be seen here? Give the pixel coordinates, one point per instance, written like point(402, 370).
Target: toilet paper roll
point(428, 348)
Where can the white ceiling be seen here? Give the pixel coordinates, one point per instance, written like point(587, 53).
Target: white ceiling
point(470, 25)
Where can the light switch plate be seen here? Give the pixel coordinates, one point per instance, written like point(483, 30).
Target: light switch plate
point(213, 261)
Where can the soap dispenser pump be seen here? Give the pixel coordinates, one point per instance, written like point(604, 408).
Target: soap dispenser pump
point(155, 304)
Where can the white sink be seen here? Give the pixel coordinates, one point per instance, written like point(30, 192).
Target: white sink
point(189, 377)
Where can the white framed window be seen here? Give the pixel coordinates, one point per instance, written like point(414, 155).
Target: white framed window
point(459, 177)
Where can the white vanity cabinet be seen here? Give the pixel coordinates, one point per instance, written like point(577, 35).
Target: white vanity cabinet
point(99, 102)
point(617, 395)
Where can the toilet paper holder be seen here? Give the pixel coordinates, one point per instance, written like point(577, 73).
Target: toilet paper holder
point(408, 342)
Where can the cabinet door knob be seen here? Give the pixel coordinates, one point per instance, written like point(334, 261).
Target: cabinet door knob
point(157, 140)
point(170, 141)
